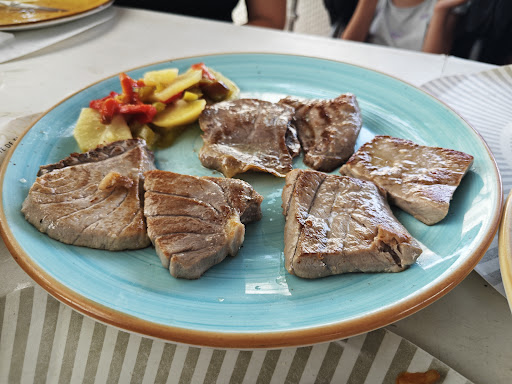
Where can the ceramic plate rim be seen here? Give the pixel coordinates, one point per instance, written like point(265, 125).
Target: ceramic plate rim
point(252, 340)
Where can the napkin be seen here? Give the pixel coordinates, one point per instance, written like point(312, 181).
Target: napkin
point(46, 338)
point(10, 132)
point(24, 42)
point(484, 100)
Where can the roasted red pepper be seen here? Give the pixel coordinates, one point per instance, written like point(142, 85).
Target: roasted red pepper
point(126, 103)
point(173, 98)
point(127, 84)
point(143, 113)
point(206, 71)
point(107, 107)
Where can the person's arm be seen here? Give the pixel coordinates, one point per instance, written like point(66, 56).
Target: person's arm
point(439, 36)
point(359, 25)
point(266, 13)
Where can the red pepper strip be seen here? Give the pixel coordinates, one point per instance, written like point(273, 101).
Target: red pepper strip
point(96, 104)
point(144, 113)
point(107, 107)
point(127, 103)
point(127, 85)
point(173, 98)
point(206, 71)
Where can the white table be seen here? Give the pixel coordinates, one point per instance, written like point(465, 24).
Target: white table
point(469, 329)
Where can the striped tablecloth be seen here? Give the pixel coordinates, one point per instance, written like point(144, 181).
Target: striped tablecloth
point(42, 340)
point(484, 100)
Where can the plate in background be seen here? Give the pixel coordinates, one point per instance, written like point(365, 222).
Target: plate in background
point(15, 19)
point(505, 248)
point(250, 301)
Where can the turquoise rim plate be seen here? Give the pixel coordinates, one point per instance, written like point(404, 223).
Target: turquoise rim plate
point(250, 301)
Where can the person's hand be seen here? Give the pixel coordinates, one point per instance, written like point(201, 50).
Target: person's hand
point(439, 37)
point(359, 25)
point(449, 4)
point(368, 2)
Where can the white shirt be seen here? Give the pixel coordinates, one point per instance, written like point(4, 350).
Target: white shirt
point(401, 27)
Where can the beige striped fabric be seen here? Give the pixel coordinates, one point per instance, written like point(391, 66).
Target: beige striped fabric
point(44, 341)
point(484, 101)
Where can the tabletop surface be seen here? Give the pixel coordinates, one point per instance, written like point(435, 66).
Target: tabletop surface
point(469, 329)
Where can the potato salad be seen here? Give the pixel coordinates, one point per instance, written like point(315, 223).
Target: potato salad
point(156, 108)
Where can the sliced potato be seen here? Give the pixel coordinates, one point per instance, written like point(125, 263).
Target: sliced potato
point(181, 83)
point(160, 77)
point(116, 130)
point(179, 113)
point(89, 131)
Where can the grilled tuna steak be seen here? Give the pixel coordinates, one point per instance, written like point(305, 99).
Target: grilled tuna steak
point(327, 129)
point(195, 222)
point(248, 134)
point(338, 224)
point(420, 180)
point(93, 199)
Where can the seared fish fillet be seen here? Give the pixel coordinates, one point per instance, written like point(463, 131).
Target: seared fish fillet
point(195, 222)
point(93, 199)
point(248, 135)
point(338, 224)
point(419, 179)
point(327, 129)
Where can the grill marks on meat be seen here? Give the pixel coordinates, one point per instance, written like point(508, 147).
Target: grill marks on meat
point(334, 224)
point(93, 199)
point(420, 180)
point(248, 134)
point(337, 224)
point(327, 129)
point(195, 222)
point(98, 154)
